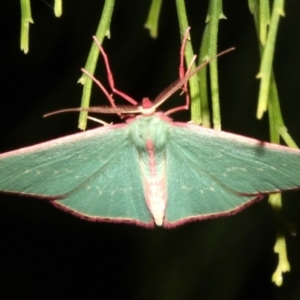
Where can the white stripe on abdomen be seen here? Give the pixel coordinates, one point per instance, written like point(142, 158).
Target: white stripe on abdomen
point(153, 168)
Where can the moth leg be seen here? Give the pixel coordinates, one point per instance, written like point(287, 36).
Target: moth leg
point(182, 72)
point(183, 75)
point(181, 83)
point(108, 96)
point(99, 121)
point(110, 76)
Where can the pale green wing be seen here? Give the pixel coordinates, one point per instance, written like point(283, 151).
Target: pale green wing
point(94, 174)
point(212, 173)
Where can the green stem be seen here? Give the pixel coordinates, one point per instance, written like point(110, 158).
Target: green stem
point(90, 66)
point(58, 8)
point(153, 17)
point(214, 14)
point(26, 19)
point(189, 53)
point(267, 58)
point(280, 248)
point(203, 82)
point(264, 20)
point(277, 128)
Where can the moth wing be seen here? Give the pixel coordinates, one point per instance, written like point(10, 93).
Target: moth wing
point(93, 174)
point(212, 173)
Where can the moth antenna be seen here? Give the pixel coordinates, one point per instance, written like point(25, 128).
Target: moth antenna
point(56, 112)
point(175, 86)
point(122, 109)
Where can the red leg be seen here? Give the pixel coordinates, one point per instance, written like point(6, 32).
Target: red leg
point(108, 96)
point(185, 79)
point(110, 76)
point(181, 83)
point(183, 74)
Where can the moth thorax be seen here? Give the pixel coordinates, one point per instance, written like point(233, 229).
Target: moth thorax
point(145, 129)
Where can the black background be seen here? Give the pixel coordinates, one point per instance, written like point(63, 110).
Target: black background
point(48, 254)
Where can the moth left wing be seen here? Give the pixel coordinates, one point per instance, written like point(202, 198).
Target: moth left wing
point(93, 174)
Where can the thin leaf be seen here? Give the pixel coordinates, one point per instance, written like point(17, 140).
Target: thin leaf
point(26, 19)
point(267, 58)
point(58, 8)
point(153, 17)
point(214, 14)
point(102, 31)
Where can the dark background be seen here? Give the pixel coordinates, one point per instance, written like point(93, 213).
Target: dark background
point(48, 254)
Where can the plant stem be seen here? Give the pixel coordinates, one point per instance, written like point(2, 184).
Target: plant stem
point(90, 66)
point(153, 17)
point(189, 54)
point(26, 19)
